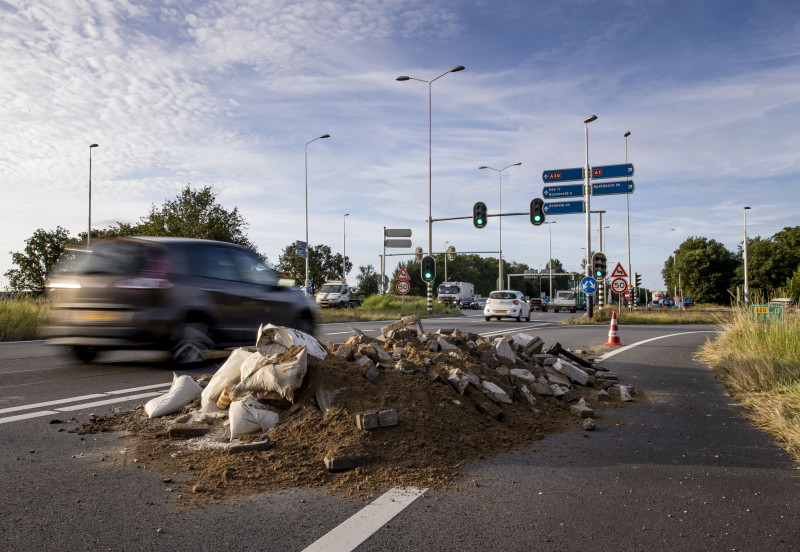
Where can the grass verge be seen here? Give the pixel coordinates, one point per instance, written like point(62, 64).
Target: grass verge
point(383, 307)
point(20, 319)
point(760, 364)
point(648, 315)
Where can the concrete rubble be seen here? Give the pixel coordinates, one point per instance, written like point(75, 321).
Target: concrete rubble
point(507, 370)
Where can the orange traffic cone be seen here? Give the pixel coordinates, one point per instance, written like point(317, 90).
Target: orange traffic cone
point(613, 332)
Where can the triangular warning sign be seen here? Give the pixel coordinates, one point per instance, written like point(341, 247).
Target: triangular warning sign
point(403, 274)
point(619, 272)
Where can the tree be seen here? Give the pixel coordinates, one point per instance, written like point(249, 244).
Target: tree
point(42, 250)
point(368, 281)
point(322, 265)
point(195, 214)
point(706, 270)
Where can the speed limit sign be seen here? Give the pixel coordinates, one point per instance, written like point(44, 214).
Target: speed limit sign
point(402, 287)
point(619, 285)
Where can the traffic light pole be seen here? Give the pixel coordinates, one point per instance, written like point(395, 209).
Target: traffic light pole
point(587, 192)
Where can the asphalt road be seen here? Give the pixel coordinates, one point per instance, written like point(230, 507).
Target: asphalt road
point(681, 469)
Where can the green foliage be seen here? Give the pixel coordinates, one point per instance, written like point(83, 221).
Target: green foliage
point(195, 214)
point(42, 250)
point(322, 265)
point(368, 281)
point(770, 262)
point(20, 319)
point(705, 268)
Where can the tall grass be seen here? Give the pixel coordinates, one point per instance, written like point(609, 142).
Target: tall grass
point(651, 315)
point(760, 363)
point(383, 307)
point(20, 319)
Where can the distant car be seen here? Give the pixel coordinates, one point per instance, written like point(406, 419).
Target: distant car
point(466, 303)
point(507, 304)
point(538, 304)
point(176, 294)
point(786, 302)
point(478, 303)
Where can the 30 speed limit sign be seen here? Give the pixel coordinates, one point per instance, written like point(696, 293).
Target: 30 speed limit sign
point(619, 285)
point(402, 287)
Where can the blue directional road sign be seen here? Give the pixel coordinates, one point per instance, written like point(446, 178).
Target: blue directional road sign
point(563, 175)
point(611, 188)
point(566, 190)
point(564, 207)
point(589, 285)
point(302, 253)
point(301, 244)
point(613, 171)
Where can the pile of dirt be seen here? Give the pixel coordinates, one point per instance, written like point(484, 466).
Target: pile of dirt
point(439, 429)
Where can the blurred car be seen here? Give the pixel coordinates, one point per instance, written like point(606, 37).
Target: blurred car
point(176, 294)
point(466, 303)
point(786, 302)
point(478, 303)
point(507, 304)
point(536, 303)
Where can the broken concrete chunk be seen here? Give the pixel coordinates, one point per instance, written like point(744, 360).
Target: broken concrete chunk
point(367, 420)
point(543, 359)
point(445, 345)
point(371, 373)
point(495, 392)
point(530, 345)
point(588, 424)
point(581, 410)
point(503, 349)
point(433, 345)
point(603, 396)
point(187, 431)
point(343, 463)
point(624, 395)
point(460, 379)
point(387, 418)
point(344, 352)
point(543, 389)
point(569, 396)
point(249, 447)
point(525, 392)
point(556, 377)
point(574, 373)
point(523, 374)
point(491, 410)
point(502, 370)
point(363, 360)
point(405, 367)
point(557, 390)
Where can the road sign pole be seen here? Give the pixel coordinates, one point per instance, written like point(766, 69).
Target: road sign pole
point(589, 298)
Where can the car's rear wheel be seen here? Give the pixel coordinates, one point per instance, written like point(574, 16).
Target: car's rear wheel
point(488, 318)
point(305, 324)
point(528, 318)
point(191, 343)
point(84, 353)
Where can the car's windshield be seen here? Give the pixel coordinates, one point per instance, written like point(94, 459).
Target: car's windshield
point(502, 295)
point(566, 295)
point(448, 289)
point(331, 288)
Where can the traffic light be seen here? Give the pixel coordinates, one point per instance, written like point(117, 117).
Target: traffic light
point(537, 211)
point(428, 268)
point(637, 279)
point(599, 265)
point(479, 214)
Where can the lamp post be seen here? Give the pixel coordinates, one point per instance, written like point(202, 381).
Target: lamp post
point(631, 283)
point(550, 262)
point(744, 250)
point(455, 69)
point(89, 232)
point(445, 261)
point(500, 190)
point(604, 238)
point(344, 246)
point(589, 298)
point(308, 246)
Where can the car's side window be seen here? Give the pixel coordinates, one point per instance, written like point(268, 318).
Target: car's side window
point(252, 269)
point(211, 261)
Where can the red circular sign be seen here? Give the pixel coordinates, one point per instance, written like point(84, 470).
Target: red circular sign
point(619, 285)
point(628, 295)
point(402, 287)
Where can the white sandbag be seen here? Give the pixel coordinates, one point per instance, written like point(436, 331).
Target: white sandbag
point(183, 391)
point(249, 415)
point(272, 340)
point(227, 376)
point(260, 373)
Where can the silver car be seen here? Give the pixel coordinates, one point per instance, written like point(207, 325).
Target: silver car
point(176, 294)
point(507, 304)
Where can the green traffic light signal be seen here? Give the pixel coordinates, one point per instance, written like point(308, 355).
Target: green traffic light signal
point(479, 214)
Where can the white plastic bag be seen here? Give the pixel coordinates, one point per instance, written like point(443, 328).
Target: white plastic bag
point(249, 415)
point(272, 340)
point(227, 376)
point(260, 373)
point(183, 391)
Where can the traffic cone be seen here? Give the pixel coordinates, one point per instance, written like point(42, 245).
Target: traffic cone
point(613, 332)
point(224, 400)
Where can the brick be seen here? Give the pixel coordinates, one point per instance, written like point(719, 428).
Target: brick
point(187, 431)
point(543, 389)
point(603, 396)
point(344, 352)
point(250, 447)
point(343, 463)
point(367, 420)
point(570, 396)
point(495, 392)
point(581, 410)
point(387, 418)
point(575, 374)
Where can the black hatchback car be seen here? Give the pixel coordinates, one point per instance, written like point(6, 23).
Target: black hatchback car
point(176, 294)
point(538, 304)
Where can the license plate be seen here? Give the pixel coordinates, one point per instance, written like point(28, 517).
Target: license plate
point(501, 311)
point(96, 316)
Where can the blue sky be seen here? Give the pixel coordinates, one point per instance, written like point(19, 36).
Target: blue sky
point(228, 93)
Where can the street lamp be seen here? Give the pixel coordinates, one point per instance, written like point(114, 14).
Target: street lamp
point(589, 299)
point(744, 248)
point(445, 261)
point(604, 238)
point(89, 233)
point(550, 262)
point(344, 246)
point(455, 69)
point(308, 247)
point(500, 189)
point(631, 283)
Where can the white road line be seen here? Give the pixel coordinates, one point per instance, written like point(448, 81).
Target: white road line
point(362, 525)
point(49, 403)
point(108, 401)
point(626, 347)
point(134, 389)
point(27, 416)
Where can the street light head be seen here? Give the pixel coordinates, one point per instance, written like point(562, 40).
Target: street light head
point(457, 68)
point(94, 146)
point(747, 207)
point(590, 118)
point(403, 78)
point(325, 136)
point(627, 134)
point(347, 214)
point(483, 167)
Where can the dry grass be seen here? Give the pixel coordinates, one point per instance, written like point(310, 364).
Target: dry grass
point(760, 364)
point(386, 307)
point(651, 315)
point(20, 318)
